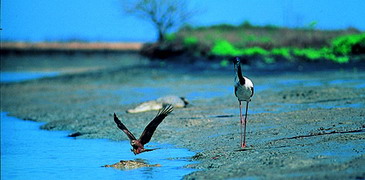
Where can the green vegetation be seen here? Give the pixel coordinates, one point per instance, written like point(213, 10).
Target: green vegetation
point(268, 43)
point(170, 37)
point(224, 48)
point(340, 51)
point(224, 63)
point(190, 41)
point(345, 45)
point(254, 51)
point(284, 52)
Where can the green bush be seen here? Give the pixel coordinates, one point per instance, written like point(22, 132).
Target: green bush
point(316, 54)
point(224, 48)
point(254, 51)
point(309, 53)
point(346, 45)
point(246, 24)
point(285, 52)
point(190, 41)
point(170, 37)
point(224, 63)
point(269, 60)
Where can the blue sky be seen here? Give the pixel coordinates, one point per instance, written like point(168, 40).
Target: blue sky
point(104, 20)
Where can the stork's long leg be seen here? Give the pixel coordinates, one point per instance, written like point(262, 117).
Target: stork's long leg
point(241, 121)
point(243, 145)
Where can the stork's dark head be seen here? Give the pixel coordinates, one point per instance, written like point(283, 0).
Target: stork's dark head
point(237, 63)
point(186, 102)
point(236, 60)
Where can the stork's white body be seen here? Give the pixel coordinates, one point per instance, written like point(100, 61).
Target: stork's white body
point(243, 92)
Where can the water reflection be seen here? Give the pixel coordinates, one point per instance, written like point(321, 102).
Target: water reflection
point(30, 153)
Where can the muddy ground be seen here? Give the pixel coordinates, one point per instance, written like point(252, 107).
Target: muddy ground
point(305, 121)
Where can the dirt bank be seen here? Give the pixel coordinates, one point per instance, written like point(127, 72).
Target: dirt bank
point(301, 125)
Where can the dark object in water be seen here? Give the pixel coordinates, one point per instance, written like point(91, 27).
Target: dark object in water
point(243, 89)
point(130, 164)
point(75, 134)
point(138, 145)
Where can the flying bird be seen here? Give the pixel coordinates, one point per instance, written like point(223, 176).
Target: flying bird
point(243, 89)
point(138, 144)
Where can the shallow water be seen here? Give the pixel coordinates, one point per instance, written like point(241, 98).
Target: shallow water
point(30, 153)
point(24, 76)
point(350, 83)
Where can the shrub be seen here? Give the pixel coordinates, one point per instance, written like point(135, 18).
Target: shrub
point(224, 63)
point(254, 51)
point(246, 24)
point(349, 44)
point(170, 37)
point(308, 53)
point(285, 52)
point(190, 41)
point(224, 48)
point(316, 54)
point(269, 60)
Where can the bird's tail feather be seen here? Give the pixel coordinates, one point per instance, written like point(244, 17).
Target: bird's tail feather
point(167, 109)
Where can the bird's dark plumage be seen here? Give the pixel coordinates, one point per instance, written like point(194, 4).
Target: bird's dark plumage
point(138, 145)
point(123, 128)
point(151, 127)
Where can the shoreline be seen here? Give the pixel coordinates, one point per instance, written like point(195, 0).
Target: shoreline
point(89, 47)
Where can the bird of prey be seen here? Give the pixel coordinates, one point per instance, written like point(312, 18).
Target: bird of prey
point(243, 89)
point(138, 144)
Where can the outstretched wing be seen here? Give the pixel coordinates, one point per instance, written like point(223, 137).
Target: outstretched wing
point(151, 127)
point(123, 128)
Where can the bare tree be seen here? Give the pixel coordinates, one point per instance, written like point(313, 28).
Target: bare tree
point(164, 14)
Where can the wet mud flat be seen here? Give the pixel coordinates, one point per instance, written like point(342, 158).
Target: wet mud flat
point(301, 125)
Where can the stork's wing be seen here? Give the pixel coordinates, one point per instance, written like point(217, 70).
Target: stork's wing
point(151, 127)
point(123, 128)
point(252, 91)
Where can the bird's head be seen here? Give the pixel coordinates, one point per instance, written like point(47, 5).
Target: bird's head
point(236, 60)
point(136, 149)
point(237, 63)
point(134, 144)
point(186, 102)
